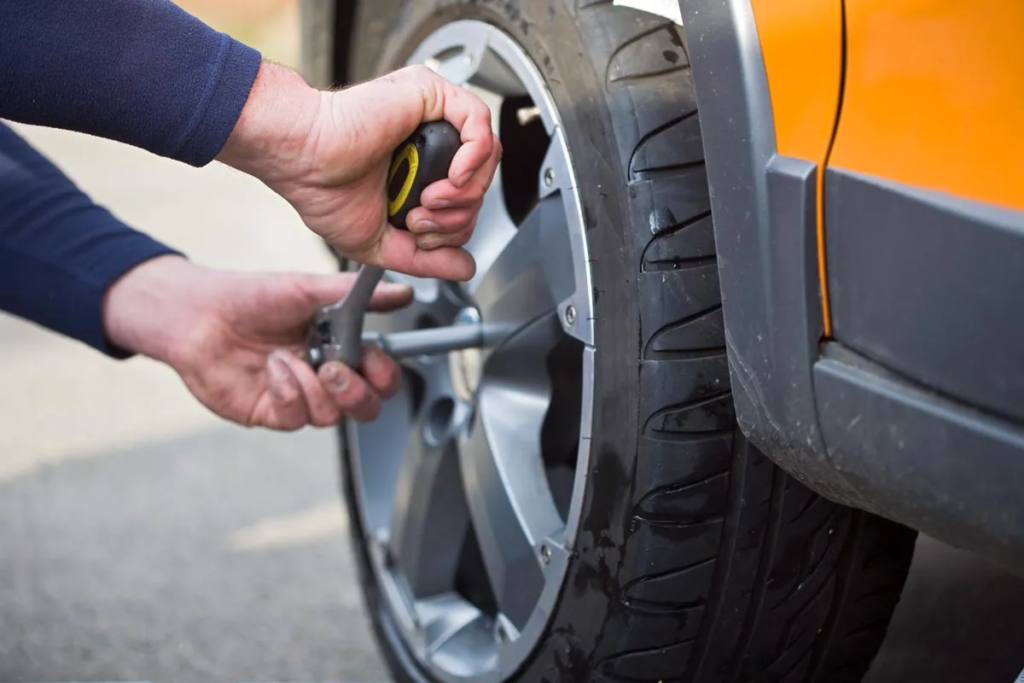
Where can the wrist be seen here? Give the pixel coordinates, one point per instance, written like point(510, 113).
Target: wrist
point(143, 311)
point(274, 126)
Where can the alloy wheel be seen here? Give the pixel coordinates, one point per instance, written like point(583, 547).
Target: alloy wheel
point(469, 485)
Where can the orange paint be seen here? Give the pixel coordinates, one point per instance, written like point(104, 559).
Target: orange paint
point(801, 44)
point(934, 96)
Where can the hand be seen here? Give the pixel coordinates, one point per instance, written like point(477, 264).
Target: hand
point(236, 341)
point(328, 154)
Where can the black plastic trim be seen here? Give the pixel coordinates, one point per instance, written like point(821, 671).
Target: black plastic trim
point(936, 465)
point(763, 207)
point(739, 140)
point(929, 285)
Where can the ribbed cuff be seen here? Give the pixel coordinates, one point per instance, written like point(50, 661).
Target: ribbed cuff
point(221, 104)
point(71, 303)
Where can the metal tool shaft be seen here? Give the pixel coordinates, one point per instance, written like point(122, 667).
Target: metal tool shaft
point(427, 342)
point(342, 323)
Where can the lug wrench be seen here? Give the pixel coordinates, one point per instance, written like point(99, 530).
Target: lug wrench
point(336, 332)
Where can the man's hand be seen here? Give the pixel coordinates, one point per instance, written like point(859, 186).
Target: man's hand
point(328, 154)
point(236, 340)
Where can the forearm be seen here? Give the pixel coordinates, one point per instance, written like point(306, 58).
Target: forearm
point(143, 72)
point(59, 252)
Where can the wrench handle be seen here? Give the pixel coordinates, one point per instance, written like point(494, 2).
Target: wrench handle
point(422, 159)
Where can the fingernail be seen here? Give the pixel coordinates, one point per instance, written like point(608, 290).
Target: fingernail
point(439, 204)
point(425, 226)
point(461, 180)
point(393, 288)
point(336, 376)
point(430, 241)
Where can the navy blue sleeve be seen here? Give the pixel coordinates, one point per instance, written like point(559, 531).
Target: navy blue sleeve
point(59, 252)
point(143, 72)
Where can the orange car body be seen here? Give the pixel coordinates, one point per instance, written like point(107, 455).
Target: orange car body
point(867, 177)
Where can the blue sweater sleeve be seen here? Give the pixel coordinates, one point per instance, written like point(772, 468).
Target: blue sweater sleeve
point(143, 72)
point(59, 252)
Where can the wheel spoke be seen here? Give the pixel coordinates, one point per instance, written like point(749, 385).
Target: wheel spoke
point(473, 64)
point(443, 617)
point(533, 273)
point(429, 517)
point(455, 64)
point(510, 502)
point(469, 650)
point(494, 227)
point(519, 363)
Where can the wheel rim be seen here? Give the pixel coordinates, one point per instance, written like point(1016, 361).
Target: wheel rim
point(469, 486)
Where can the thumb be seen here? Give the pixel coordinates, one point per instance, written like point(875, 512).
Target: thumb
point(323, 290)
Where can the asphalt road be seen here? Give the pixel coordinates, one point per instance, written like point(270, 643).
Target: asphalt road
point(145, 540)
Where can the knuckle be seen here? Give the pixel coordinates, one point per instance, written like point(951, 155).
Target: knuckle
point(288, 397)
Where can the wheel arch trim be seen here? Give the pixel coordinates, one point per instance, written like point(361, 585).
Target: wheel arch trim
point(765, 225)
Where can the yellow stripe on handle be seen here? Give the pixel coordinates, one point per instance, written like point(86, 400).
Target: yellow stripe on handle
point(412, 156)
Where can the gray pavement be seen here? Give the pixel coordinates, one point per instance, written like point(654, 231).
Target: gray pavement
point(145, 540)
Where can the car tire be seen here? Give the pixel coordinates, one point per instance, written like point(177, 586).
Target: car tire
point(697, 558)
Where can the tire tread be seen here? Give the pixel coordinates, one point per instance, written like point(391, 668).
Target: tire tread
point(783, 556)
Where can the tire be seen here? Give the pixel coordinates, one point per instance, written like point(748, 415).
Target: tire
point(697, 558)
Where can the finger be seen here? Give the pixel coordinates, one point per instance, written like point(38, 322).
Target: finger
point(351, 392)
point(445, 221)
point(322, 290)
point(287, 409)
point(444, 194)
point(468, 113)
point(390, 296)
point(381, 370)
point(323, 410)
point(398, 249)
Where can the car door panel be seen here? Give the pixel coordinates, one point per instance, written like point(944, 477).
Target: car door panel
point(924, 229)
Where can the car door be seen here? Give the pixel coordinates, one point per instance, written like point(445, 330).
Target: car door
point(924, 196)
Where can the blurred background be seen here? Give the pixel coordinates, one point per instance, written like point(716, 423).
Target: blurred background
point(145, 540)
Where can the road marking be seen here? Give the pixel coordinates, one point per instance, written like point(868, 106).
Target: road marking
point(323, 521)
